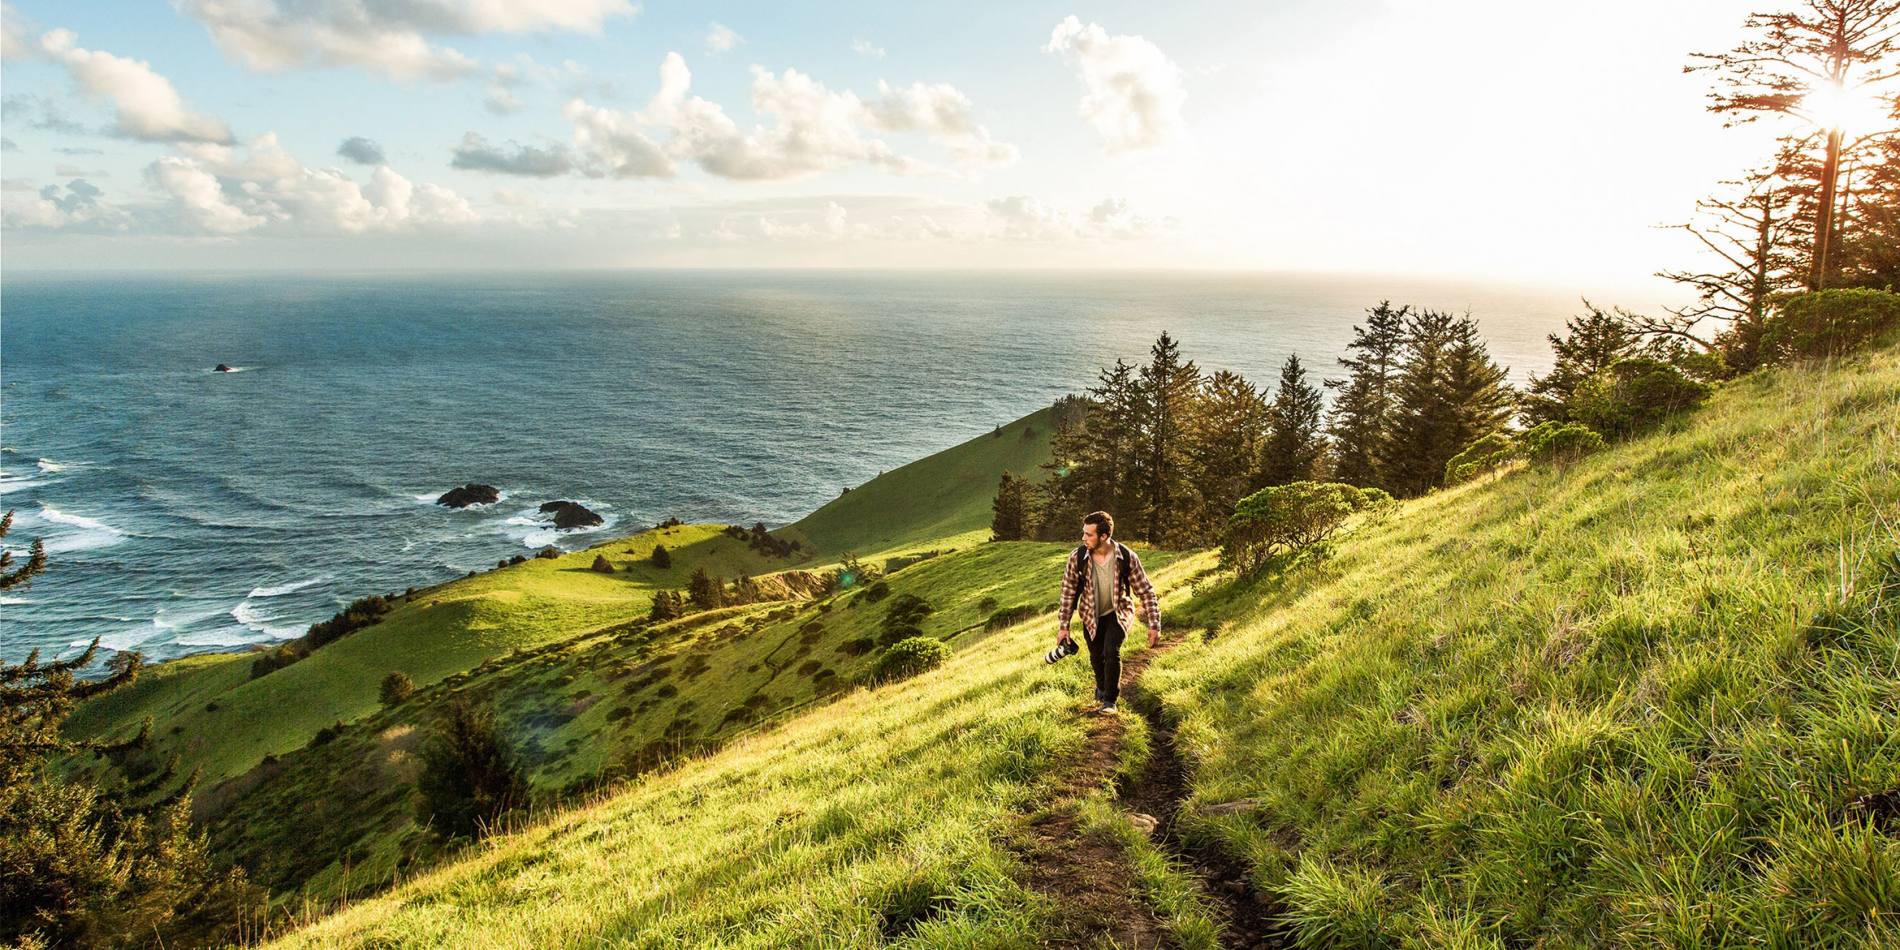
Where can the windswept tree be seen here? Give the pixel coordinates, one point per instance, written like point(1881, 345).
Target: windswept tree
point(1596, 339)
point(1295, 446)
point(1755, 239)
point(1362, 409)
point(1832, 67)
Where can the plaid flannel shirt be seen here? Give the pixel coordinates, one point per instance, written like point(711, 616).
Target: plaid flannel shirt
point(1079, 592)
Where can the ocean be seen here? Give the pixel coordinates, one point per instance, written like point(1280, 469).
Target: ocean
point(187, 510)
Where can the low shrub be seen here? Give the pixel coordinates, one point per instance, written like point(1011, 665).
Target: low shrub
point(1634, 394)
point(1829, 323)
point(1484, 455)
point(909, 657)
point(1558, 442)
point(1285, 518)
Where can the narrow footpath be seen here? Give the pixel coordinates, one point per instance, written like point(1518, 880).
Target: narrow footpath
point(1092, 878)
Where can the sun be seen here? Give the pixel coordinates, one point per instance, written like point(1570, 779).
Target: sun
point(1854, 112)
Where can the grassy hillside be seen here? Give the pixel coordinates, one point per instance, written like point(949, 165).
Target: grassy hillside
point(1651, 698)
point(941, 499)
point(596, 707)
point(876, 818)
point(210, 712)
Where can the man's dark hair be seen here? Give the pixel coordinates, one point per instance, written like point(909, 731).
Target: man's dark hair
point(1103, 521)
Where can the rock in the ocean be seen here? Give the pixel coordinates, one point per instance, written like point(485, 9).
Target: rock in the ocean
point(571, 514)
point(472, 493)
point(224, 367)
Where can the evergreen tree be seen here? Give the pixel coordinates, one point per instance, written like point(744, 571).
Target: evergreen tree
point(1423, 421)
point(666, 606)
point(1295, 447)
point(1596, 339)
point(469, 778)
point(1223, 448)
point(1166, 507)
point(1010, 511)
point(662, 559)
point(704, 591)
point(1362, 410)
point(86, 865)
point(1482, 401)
point(1093, 455)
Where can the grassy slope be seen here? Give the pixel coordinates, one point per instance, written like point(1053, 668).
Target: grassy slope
point(941, 499)
point(1636, 701)
point(597, 706)
point(447, 629)
point(873, 818)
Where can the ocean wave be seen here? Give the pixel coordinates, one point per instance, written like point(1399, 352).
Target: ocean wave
point(18, 482)
point(48, 465)
point(282, 589)
point(226, 637)
point(247, 615)
point(232, 369)
point(91, 533)
point(546, 534)
point(13, 600)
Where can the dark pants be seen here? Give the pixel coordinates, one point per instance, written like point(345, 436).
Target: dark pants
point(1105, 655)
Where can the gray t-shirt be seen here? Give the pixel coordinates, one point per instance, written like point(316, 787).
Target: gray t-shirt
point(1103, 577)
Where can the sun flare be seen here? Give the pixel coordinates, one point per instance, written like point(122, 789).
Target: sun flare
point(1854, 112)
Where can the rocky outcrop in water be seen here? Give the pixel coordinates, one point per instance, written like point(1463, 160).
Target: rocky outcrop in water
point(472, 493)
point(570, 514)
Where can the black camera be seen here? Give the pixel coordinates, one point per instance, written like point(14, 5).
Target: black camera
point(1061, 649)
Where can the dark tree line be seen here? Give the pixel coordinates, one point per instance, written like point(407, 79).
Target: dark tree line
point(1171, 451)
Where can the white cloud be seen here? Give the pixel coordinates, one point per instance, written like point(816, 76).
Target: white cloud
point(943, 113)
point(213, 190)
point(475, 154)
point(1021, 217)
point(812, 129)
point(386, 36)
point(721, 38)
point(1134, 92)
point(14, 34)
point(145, 104)
point(74, 206)
point(866, 48)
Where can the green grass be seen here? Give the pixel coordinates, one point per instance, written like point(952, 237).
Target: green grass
point(874, 818)
point(445, 630)
point(1644, 700)
point(941, 499)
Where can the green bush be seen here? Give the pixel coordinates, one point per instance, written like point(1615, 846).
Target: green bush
point(397, 687)
point(1829, 323)
point(1634, 394)
point(1483, 455)
point(909, 657)
point(1559, 442)
point(1290, 517)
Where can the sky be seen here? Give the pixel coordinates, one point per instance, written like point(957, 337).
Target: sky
point(1536, 143)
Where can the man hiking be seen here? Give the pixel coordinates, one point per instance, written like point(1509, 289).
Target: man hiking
point(1098, 580)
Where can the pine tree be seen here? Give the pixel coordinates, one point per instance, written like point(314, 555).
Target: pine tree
point(1166, 507)
point(1475, 385)
point(1596, 339)
point(1423, 421)
point(1362, 411)
point(704, 591)
point(81, 864)
point(662, 559)
point(1295, 447)
point(469, 778)
point(1223, 448)
point(1010, 511)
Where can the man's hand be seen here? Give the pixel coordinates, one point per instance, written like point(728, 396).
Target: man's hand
point(1154, 638)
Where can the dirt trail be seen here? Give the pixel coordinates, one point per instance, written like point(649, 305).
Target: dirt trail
point(1090, 875)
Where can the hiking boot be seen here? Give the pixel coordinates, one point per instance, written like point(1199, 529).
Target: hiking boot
point(1108, 709)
